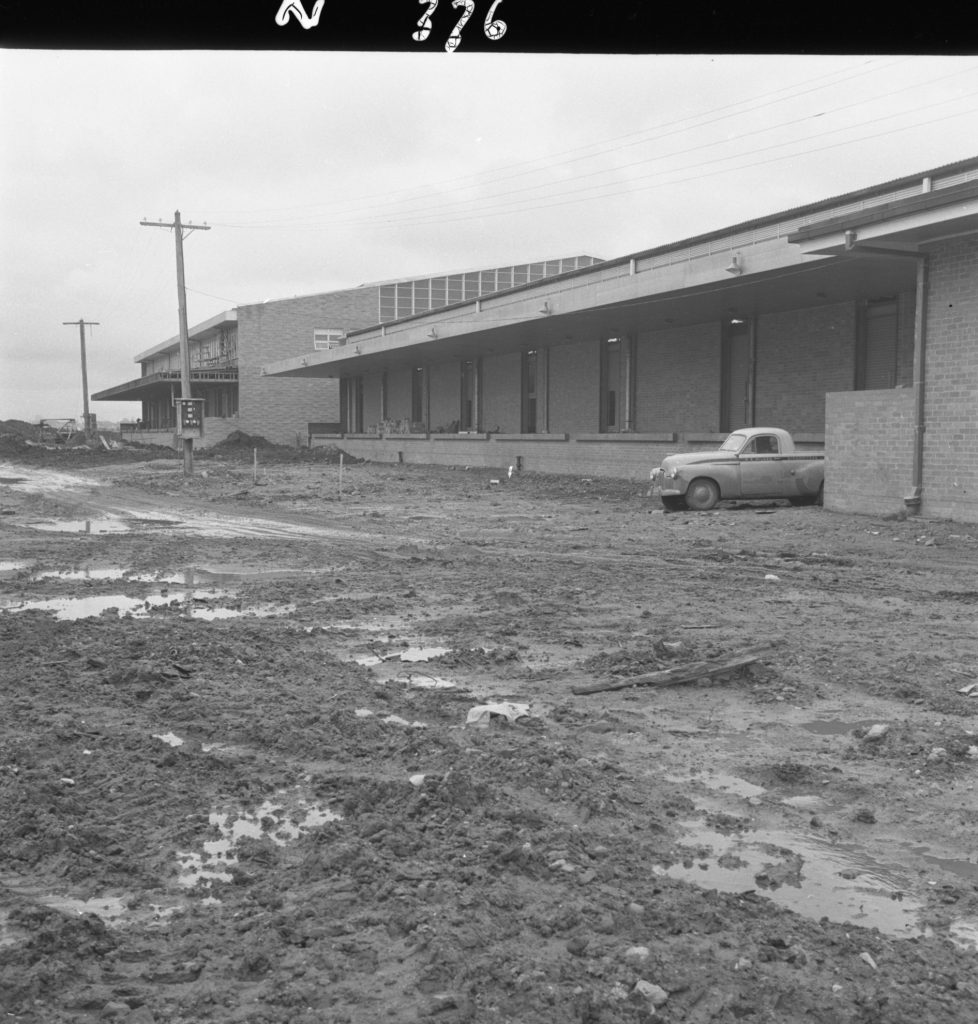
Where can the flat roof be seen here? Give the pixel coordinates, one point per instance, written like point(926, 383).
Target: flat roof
point(229, 316)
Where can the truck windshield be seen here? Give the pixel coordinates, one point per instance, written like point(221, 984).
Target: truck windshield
point(733, 443)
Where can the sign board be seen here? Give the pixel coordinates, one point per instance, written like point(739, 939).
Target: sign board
point(190, 417)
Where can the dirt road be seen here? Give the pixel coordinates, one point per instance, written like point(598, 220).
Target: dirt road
point(248, 774)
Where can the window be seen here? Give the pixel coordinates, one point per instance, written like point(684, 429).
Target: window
point(388, 303)
point(876, 346)
point(325, 338)
point(405, 299)
point(617, 377)
point(763, 444)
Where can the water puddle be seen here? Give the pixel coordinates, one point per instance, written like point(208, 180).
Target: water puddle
point(425, 682)
point(281, 821)
point(170, 738)
point(411, 654)
point(965, 869)
point(801, 872)
point(88, 526)
point(390, 719)
point(805, 872)
point(723, 783)
point(32, 480)
point(194, 605)
point(836, 726)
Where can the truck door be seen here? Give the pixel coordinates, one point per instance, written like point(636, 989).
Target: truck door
point(763, 472)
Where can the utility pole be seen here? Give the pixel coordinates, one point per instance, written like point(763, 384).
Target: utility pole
point(178, 230)
point(81, 327)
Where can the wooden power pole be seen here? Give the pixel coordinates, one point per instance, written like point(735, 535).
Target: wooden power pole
point(178, 230)
point(89, 431)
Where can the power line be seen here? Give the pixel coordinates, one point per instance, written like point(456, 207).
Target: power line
point(490, 206)
point(655, 132)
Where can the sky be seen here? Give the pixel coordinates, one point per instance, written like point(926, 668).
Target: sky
point(323, 170)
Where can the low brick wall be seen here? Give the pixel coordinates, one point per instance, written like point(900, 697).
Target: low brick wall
point(622, 456)
point(869, 437)
point(216, 429)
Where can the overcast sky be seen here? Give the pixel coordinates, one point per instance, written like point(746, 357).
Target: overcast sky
point(326, 170)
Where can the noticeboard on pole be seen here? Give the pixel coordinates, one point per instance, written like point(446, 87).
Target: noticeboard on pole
point(190, 417)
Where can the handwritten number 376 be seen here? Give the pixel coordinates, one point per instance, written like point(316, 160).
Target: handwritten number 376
point(494, 28)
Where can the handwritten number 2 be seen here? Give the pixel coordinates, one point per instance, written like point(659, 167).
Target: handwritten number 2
point(456, 36)
point(424, 22)
point(295, 9)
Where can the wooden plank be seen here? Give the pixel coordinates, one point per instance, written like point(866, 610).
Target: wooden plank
point(682, 673)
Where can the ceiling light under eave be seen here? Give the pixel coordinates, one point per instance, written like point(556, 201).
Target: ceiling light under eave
point(735, 266)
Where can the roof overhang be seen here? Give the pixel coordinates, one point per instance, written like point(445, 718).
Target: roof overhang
point(159, 385)
point(611, 300)
point(908, 225)
point(196, 333)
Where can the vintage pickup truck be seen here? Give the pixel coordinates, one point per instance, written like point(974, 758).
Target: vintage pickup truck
point(755, 462)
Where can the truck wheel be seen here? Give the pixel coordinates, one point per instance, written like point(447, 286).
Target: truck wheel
point(673, 504)
point(702, 494)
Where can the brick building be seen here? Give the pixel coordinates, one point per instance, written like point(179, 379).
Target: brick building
point(850, 321)
point(227, 353)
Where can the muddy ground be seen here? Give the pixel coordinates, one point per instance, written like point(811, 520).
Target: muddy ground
point(238, 781)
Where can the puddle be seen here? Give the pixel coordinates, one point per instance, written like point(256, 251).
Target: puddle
point(31, 480)
point(722, 783)
point(808, 874)
point(189, 606)
point(170, 738)
point(801, 872)
point(425, 682)
point(12, 567)
point(90, 526)
point(390, 719)
point(412, 654)
point(965, 869)
point(278, 820)
point(836, 726)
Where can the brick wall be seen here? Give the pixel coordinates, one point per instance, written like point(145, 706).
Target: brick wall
point(801, 355)
point(371, 400)
point(280, 408)
point(399, 393)
point(678, 379)
point(573, 387)
point(501, 392)
point(869, 437)
point(951, 403)
point(446, 394)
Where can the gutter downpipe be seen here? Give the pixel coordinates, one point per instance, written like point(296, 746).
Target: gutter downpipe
point(914, 499)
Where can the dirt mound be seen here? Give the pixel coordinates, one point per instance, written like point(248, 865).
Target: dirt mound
point(240, 445)
point(19, 428)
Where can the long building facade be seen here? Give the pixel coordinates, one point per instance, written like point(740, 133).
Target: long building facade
point(851, 322)
point(227, 353)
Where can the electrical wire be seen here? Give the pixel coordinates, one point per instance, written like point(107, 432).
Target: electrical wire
point(655, 133)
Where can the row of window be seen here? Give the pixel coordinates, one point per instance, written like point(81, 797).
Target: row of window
point(406, 298)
